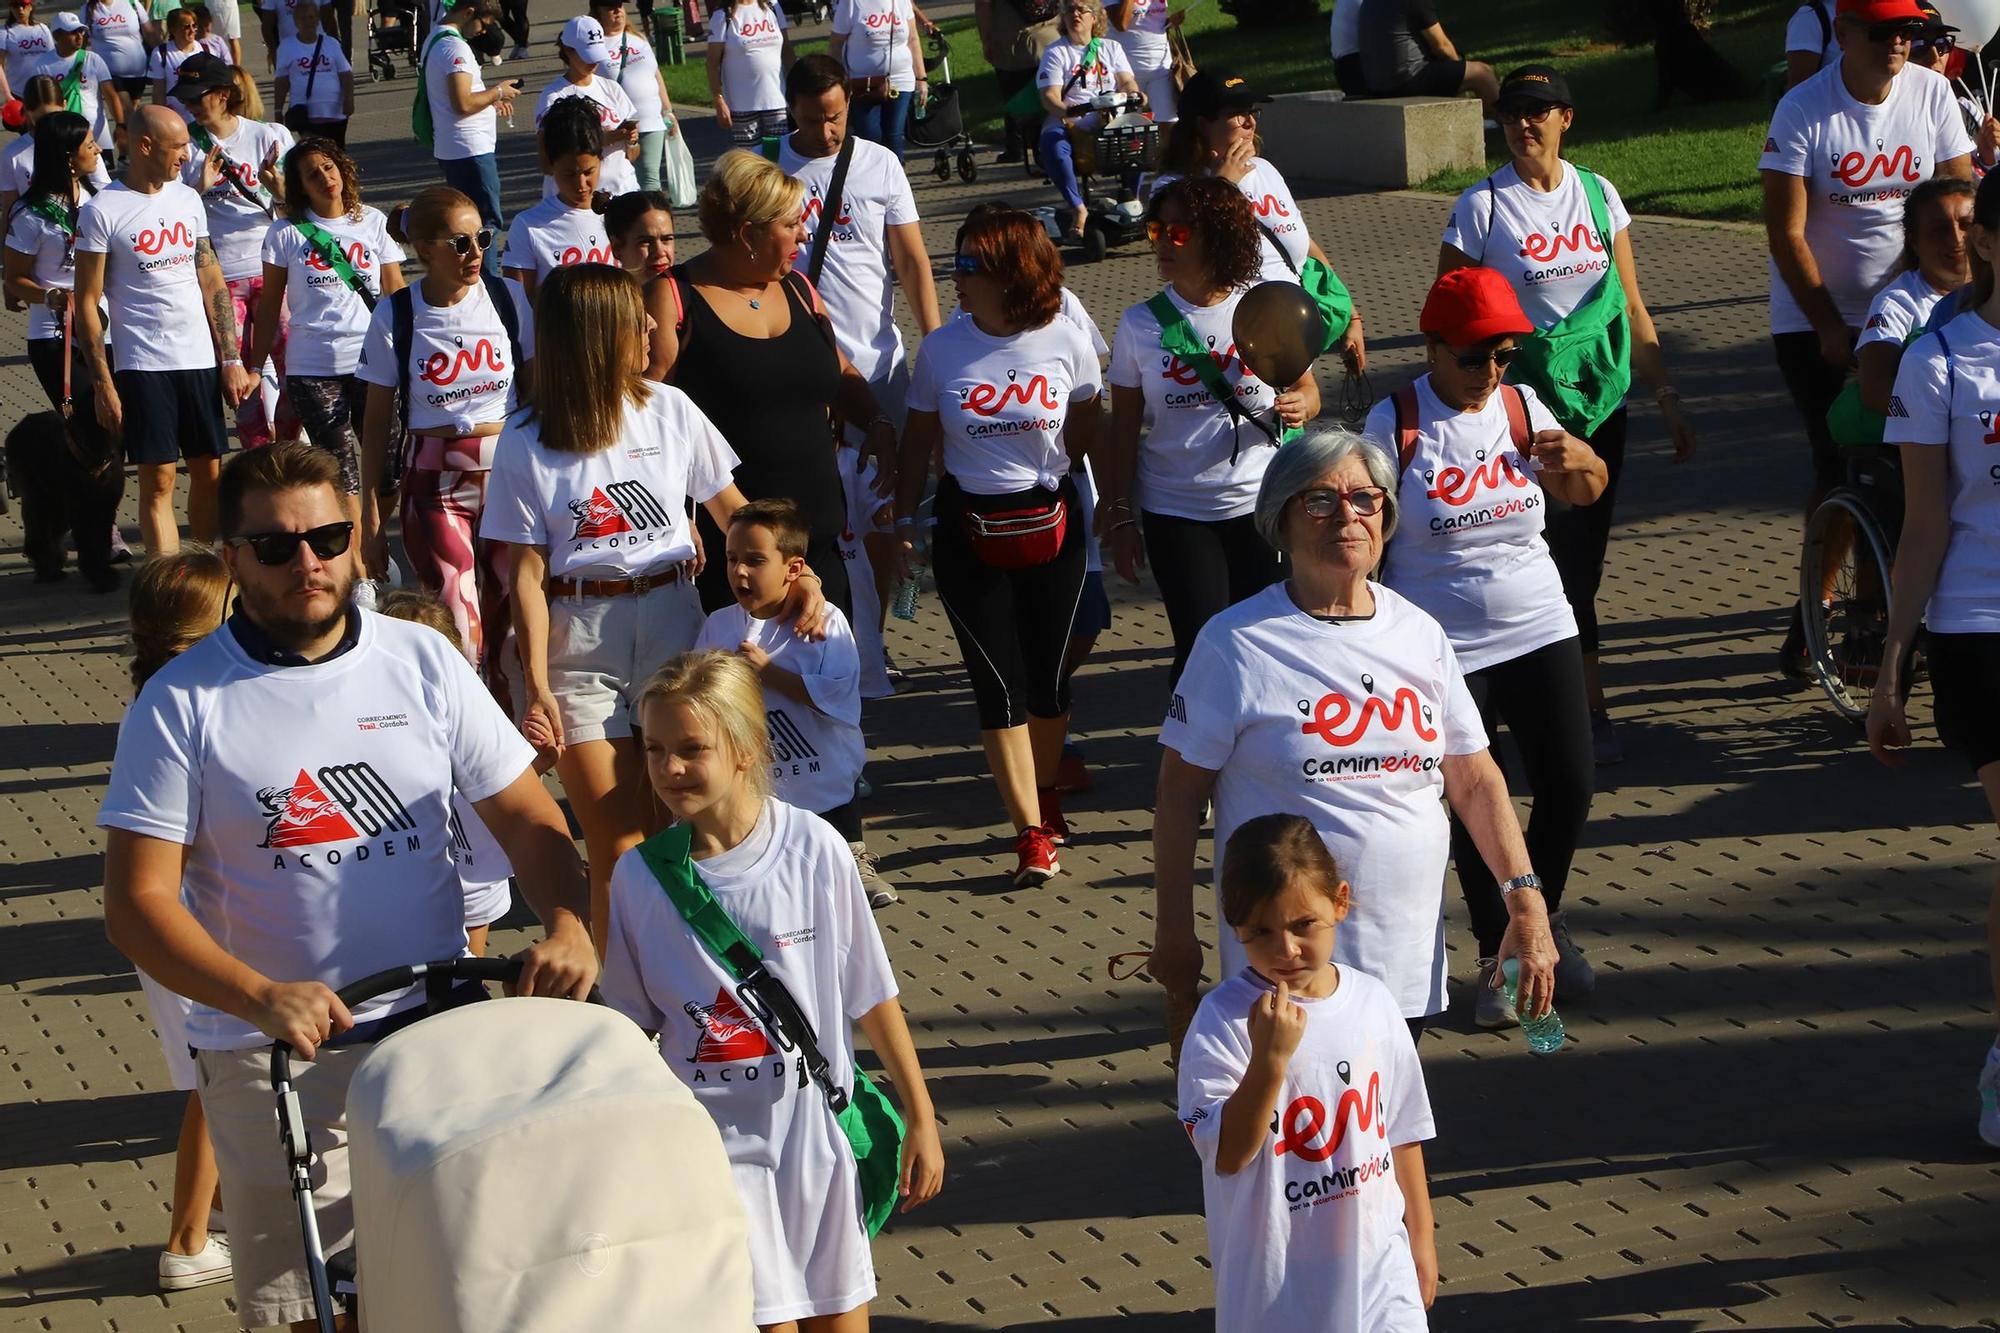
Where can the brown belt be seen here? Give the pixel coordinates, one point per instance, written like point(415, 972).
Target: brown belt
point(631, 587)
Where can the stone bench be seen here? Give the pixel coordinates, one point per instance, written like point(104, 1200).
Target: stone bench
point(1384, 142)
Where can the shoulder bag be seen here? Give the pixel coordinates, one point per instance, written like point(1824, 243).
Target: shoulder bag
point(298, 116)
point(1323, 285)
point(865, 1115)
point(1582, 364)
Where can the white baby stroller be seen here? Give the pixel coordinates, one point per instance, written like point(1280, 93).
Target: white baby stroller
point(523, 1164)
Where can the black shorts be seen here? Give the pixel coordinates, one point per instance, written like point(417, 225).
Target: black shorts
point(131, 85)
point(171, 414)
point(1438, 78)
point(1964, 669)
point(1813, 385)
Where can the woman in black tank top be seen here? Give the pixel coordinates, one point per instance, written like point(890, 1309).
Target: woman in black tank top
point(757, 357)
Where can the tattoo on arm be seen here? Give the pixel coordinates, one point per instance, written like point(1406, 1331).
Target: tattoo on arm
point(221, 310)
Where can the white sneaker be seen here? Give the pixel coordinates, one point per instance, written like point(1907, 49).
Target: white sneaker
point(184, 1272)
point(1989, 1097)
point(1491, 1008)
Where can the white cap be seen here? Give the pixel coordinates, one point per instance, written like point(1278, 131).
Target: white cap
point(584, 36)
point(66, 21)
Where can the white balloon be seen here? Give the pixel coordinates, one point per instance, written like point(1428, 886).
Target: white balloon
point(1976, 20)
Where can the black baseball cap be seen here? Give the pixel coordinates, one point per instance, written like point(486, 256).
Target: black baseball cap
point(1535, 85)
point(1215, 92)
point(202, 73)
point(1934, 24)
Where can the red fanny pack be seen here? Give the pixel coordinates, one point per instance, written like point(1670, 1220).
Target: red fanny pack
point(1018, 538)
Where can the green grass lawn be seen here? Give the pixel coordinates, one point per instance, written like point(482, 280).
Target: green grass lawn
point(1689, 161)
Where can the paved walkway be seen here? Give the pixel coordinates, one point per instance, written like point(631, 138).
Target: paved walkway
point(1764, 1120)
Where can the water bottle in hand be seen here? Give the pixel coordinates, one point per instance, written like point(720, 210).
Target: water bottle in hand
point(1544, 1034)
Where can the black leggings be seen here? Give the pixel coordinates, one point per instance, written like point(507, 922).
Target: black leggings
point(1203, 567)
point(1539, 698)
point(1813, 385)
point(90, 496)
point(1013, 625)
point(1578, 535)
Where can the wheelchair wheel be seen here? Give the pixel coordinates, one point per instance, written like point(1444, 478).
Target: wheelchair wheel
point(968, 166)
point(941, 165)
point(1844, 588)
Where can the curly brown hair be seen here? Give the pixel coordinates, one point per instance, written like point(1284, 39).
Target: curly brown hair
point(1016, 250)
point(314, 145)
point(1220, 217)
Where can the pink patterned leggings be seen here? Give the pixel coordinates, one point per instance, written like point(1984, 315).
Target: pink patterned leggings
point(266, 414)
point(441, 509)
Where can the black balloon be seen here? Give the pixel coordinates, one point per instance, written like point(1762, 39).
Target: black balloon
point(1278, 331)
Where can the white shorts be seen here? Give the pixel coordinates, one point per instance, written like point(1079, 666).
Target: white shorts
point(170, 1020)
point(603, 649)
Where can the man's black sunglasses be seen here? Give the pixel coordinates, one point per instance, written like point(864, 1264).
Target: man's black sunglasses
point(1884, 33)
point(278, 548)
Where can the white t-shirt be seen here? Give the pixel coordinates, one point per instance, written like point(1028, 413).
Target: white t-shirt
point(857, 284)
point(1002, 402)
point(1860, 163)
point(817, 751)
point(752, 38)
point(295, 61)
point(148, 243)
point(552, 235)
point(483, 869)
point(25, 45)
point(1267, 703)
point(288, 23)
point(620, 511)
point(1954, 406)
point(90, 87)
point(1805, 31)
point(329, 322)
point(1310, 1234)
point(17, 167)
point(792, 888)
point(1194, 462)
point(1900, 310)
point(455, 137)
point(1059, 71)
point(1271, 200)
point(117, 32)
point(164, 63)
point(315, 802)
point(461, 368)
point(1145, 42)
point(228, 26)
point(615, 175)
point(1468, 548)
point(878, 40)
point(55, 265)
point(634, 69)
point(236, 226)
point(1547, 246)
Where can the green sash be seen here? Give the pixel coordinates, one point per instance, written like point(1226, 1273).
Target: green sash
point(421, 124)
point(1178, 336)
point(328, 249)
point(1581, 367)
point(72, 82)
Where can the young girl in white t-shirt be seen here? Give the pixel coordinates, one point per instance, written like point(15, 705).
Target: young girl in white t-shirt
point(563, 228)
point(1301, 1091)
point(785, 877)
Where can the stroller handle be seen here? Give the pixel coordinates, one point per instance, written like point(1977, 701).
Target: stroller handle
point(445, 971)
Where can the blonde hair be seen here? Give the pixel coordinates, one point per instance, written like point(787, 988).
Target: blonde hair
point(722, 690)
point(590, 339)
point(244, 99)
point(419, 608)
point(176, 602)
point(745, 189)
point(1100, 22)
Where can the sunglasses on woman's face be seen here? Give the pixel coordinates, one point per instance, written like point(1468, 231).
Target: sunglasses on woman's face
point(1502, 357)
point(1363, 500)
point(1943, 44)
point(1177, 233)
point(966, 266)
point(278, 548)
point(1524, 113)
point(463, 245)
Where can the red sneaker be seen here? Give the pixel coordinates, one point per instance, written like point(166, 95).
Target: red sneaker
point(1037, 855)
point(1052, 815)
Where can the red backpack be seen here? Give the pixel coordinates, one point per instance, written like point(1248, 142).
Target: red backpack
point(1405, 406)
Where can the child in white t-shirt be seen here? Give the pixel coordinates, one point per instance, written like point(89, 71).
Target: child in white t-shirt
point(1300, 1088)
point(812, 690)
point(787, 880)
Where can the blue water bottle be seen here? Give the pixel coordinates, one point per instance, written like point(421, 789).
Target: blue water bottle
point(1544, 1034)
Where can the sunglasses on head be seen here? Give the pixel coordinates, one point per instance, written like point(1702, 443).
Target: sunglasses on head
point(1363, 500)
point(1178, 234)
point(1884, 33)
point(278, 548)
point(966, 265)
point(1502, 357)
point(463, 245)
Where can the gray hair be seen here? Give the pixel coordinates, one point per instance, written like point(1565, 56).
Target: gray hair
point(1305, 460)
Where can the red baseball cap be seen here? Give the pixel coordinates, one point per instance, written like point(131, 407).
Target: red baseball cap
point(1881, 11)
point(1470, 305)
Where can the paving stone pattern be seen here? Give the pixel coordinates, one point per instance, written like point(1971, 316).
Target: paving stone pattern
point(1764, 1120)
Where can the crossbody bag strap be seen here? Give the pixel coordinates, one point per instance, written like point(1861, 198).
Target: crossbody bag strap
point(1600, 217)
point(829, 211)
point(1178, 336)
point(1492, 217)
point(313, 73)
point(328, 249)
point(207, 142)
point(1279, 246)
point(72, 82)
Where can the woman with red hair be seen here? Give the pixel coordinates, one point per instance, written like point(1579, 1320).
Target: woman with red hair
point(1010, 392)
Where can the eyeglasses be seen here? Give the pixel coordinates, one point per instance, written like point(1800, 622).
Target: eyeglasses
point(278, 548)
point(463, 245)
point(1943, 44)
point(1178, 234)
point(967, 265)
point(1363, 500)
point(1502, 357)
point(1526, 115)
point(1884, 33)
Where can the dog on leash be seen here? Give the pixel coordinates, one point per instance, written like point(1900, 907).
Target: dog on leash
point(63, 489)
point(1685, 61)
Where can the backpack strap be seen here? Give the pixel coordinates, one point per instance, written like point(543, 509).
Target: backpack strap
point(1517, 417)
point(1404, 404)
point(510, 320)
point(1950, 376)
point(402, 334)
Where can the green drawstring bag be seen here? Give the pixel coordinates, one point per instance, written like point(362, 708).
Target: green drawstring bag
point(1581, 367)
point(873, 1129)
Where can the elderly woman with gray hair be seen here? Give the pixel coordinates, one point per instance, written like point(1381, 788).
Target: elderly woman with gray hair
point(1329, 696)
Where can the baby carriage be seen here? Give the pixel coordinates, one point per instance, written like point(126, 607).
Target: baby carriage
point(392, 32)
point(522, 1164)
point(940, 123)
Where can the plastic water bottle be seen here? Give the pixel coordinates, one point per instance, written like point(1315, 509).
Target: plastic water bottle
point(903, 605)
point(1544, 1034)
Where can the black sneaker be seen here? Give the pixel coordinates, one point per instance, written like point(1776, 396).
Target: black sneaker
point(1793, 662)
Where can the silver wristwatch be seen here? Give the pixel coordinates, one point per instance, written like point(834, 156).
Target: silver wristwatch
point(1528, 881)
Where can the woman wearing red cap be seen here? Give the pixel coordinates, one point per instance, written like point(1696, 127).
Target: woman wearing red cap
point(1476, 458)
point(1562, 238)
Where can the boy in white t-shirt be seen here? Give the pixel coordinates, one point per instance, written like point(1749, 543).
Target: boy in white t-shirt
point(812, 691)
point(1301, 1091)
